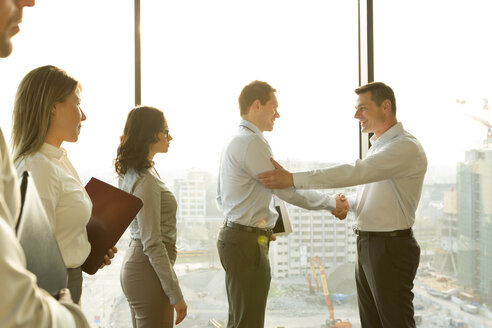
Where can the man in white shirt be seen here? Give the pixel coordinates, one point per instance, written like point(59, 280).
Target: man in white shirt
point(248, 208)
point(390, 179)
point(23, 303)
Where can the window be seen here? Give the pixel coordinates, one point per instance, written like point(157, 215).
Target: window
point(440, 67)
point(196, 58)
point(95, 46)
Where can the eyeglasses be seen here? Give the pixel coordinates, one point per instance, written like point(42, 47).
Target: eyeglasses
point(166, 133)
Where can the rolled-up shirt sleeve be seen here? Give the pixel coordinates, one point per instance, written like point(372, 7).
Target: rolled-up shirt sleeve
point(257, 160)
point(149, 219)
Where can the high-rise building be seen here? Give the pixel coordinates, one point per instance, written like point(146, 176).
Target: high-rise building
point(474, 215)
point(196, 195)
point(198, 216)
point(315, 233)
point(446, 251)
point(191, 195)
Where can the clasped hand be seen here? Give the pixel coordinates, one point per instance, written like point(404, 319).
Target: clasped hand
point(281, 178)
point(342, 207)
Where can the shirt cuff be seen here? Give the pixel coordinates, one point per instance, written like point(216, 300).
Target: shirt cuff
point(176, 296)
point(351, 201)
point(301, 180)
point(332, 203)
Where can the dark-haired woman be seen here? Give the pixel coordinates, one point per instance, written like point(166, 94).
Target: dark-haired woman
point(147, 275)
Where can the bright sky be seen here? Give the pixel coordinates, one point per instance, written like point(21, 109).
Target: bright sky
point(197, 55)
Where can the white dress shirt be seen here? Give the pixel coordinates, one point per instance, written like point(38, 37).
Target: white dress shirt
point(243, 198)
point(9, 186)
point(23, 304)
point(65, 200)
point(391, 178)
point(155, 225)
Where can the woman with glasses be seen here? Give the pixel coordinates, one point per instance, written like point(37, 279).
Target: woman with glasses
point(147, 275)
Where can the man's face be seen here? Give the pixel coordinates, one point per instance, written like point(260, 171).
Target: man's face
point(370, 115)
point(268, 113)
point(10, 17)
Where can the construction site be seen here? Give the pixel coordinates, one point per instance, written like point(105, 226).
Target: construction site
point(291, 302)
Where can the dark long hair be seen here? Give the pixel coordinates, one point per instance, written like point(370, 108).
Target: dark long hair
point(141, 128)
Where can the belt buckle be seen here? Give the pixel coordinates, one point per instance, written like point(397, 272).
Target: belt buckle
point(356, 230)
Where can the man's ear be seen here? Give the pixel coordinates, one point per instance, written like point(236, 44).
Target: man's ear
point(387, 105)
point(256, 105)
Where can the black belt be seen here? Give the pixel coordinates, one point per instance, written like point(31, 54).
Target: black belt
point(240, 227)
point(396, 233)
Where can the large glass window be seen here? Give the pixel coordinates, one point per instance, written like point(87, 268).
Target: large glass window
point(196, 58)
point(436, 56)
point(92, 41)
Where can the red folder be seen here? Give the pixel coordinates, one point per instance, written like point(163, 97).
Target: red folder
point(112, 212)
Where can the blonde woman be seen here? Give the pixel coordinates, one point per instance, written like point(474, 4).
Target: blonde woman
point(47, 113)
point(147, 275)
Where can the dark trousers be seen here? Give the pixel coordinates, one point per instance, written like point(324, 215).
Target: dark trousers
point(74, 283)
point(244, 256)
point(384, 273)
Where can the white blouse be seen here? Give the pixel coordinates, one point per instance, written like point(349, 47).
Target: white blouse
point(31, 306)
point(64, 198)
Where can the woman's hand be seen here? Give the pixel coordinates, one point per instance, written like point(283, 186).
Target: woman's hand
point(64, 295)
point(181, 309)
point(109, 256)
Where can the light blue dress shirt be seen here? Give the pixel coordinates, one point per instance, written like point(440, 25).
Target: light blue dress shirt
point(391, 178)
point(243, 198)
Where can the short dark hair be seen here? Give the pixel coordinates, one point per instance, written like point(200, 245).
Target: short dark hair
point(255, 90)
point(141, 128)
point(379, 93)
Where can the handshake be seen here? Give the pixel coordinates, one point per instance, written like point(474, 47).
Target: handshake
point(281, 178)
point(342, 207)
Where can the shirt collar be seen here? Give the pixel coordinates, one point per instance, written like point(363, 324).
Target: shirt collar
point(53, 151)
point(392, 132)
point(247, 124)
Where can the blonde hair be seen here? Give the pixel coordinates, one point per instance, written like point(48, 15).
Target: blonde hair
point(36, 95)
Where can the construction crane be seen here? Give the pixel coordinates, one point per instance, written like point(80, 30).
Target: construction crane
point(488, 140)
point(331, 322)
point(487, 123)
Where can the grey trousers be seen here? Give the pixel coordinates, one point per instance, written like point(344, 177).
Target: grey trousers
point(385, 270)
point(149, 305)
point(244, 257)
point(75, 283)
